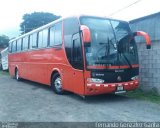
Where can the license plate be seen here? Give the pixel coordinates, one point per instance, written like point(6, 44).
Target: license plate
point(120, 88)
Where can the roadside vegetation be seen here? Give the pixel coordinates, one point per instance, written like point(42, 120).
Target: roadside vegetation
point(139, 94)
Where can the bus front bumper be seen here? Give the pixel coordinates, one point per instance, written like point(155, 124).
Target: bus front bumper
point(117, 88)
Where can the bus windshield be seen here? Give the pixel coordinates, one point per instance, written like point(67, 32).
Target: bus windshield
point(112, 43)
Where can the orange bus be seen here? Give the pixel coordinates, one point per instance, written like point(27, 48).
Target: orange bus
point(87, 55)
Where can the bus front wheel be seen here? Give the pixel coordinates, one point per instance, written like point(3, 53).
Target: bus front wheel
point(56, 84)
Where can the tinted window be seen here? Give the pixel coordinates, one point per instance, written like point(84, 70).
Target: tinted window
point(55, 37)
point(10, 47)
point(33, 41)
point(43, 38)
point(71, 26)
point(52, 36)
point(77, 52)
point(77, 60)
point(14, 43)
point(58, 34)
point(19, 44)
point(25, 43)
point(40, 39)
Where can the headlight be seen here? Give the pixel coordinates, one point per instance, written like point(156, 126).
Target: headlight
point(134, 78)
point(95, 80)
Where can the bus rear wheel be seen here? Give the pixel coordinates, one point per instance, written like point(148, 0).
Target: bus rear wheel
point(56, 84)
point(17, 75)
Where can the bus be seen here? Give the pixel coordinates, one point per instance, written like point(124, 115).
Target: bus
point(86, 55)
point(4, 59)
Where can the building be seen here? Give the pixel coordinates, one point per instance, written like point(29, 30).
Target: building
point(149, 59)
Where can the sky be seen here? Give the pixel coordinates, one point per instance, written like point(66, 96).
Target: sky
point(12, 11)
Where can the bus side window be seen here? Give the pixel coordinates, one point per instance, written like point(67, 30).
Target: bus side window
point(22, 44)
point(43, 38)
point(33, 41)
point(51, 36)
point(14, 46)
point(58, 34)
point(55, 35)
point(71, 26)
point(10, 47)
point(25, 43)
point(40, 39)
point(19, 44)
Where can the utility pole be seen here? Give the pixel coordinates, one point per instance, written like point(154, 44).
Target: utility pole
point(24, 29)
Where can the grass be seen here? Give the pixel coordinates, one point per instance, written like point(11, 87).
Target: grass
point(149, 96)
point(4, 72)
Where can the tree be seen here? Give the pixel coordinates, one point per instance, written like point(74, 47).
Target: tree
point(35, 20)
point(4, 41)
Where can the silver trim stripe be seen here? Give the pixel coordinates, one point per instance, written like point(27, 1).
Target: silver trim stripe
point(98, 85)
point(112, 85)
point(136, 82)
point(89, 84)
point(126, 84)
point(106, 85)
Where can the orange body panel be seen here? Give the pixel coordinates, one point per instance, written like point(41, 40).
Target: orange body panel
point(38, 66)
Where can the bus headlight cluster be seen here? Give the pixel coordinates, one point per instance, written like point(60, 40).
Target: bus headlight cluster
point(134, 78)
point(95, 80)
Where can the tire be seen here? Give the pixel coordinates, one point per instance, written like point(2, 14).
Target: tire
point(56, 84)
point(17, 75)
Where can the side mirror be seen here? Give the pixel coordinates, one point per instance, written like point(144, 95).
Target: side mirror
point(86, 34)
point(146, 36)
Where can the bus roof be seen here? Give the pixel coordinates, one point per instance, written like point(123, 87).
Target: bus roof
point(58, 20)
point(6, 49)
point(37, 29)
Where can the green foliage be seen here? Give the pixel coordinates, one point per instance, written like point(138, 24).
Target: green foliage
point(4, 41)
point(35, 20)
point(139, 94)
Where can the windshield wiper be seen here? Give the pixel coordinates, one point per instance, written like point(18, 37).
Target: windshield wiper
point(108, 47)
point(121, 50)
point(127, 60)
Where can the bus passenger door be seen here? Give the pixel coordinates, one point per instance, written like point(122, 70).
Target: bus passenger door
point(77, 64)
